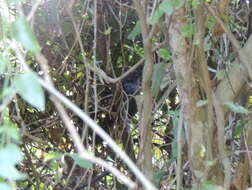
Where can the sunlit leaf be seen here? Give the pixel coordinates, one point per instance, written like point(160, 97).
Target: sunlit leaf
point(201, 103)
point(236, 108)
point(23, 33)
point(135, 32)
point(80, 75)
point(30, 90)
point(10, 156)
point(52, 156)
point(80, 161)
point(158, 141)
point(202, 151)
point(158, 74)
point(107, 31)
point(157, 153)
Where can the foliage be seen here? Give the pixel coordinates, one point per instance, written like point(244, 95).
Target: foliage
point(87, 52)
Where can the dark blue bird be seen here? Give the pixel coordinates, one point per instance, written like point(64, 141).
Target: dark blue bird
point(132, 83)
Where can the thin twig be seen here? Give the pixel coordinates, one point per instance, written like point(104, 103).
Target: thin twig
point(33, 10)
point(179, 144)
point(243, 57)
point(48, 85)
point(247, 151)
point(109, 79)
point(92, 124)
point(145, 156)
point(82, 152)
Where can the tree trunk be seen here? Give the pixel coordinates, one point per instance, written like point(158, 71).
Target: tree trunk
point(205, 124)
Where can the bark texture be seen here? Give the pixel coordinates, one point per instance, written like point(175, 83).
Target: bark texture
point(205, 124)
point(188, 92)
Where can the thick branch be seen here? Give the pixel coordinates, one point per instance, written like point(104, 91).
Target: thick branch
point(145, 156)
point(188, 92)
point(229, 88)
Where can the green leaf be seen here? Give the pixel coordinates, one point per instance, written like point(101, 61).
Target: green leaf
point(175, 121)
point(3, 63)
point(212, 187)
point(6, 115)
point(52, 156)
point(158, 74)
point(9, 157)
point(6, 92)
point(135, 32)
point(80, 75)
point(220, 74)
point(187, 30)
point(107, 31)
point(24, 34)
point(174, 150)
point(238, 130)
point(10, 130)
point(165, 54)
point(167, 6)
point(177, 3)
point(54, 165)
point(158, 176)
point(155, 18)
point(80, 161)
point(5, 186)
point(30, 90)
point(67, 28)
point(236, 108)
point(201, 103)
point(195, 3)
point(15, 1)
point(211, 22)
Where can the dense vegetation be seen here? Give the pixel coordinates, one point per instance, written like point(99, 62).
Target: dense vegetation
point(166, 81)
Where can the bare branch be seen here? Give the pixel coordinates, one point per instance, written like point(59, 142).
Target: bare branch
point(82, 152)
point(33, 10)
point(244, 59)
point(146, 183)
